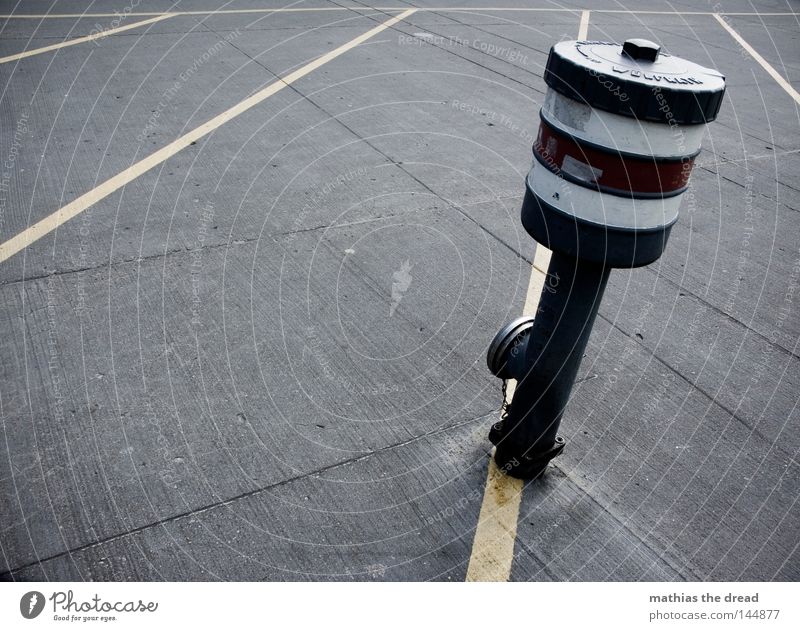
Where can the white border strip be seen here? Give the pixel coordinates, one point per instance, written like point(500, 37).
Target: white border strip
point(762, 62)
point(33, 16)
point(80, 40)
point(35, 232)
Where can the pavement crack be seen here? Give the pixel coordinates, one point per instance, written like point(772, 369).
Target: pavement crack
point(744, 186)
point(9, 574)
point(694, 386)
point(387, 157)
point(624, 525)
point(718, 311)
point(481, 52)
point(206, 247)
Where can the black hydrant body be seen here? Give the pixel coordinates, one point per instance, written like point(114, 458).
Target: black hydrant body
point(551, 355)
point(620, 129)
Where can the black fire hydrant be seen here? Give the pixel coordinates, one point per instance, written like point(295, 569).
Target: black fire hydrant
point(620, 129)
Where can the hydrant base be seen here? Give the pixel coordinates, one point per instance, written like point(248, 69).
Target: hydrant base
point(581, 239)
point(526, 467)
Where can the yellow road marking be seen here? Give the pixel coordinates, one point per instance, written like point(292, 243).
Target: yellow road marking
point(541, 261)
point(583, 29)
point(36, 16)
point(762, 62)
point(493, 547)
point(65, 213)
point(80, 40)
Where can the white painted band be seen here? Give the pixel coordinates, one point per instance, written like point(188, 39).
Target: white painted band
point(621, 133)
point(601, 208)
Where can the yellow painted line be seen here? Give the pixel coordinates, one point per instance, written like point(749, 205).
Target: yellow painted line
point(36, 16)
point(646, 12)
point(493, 547)
point(583, 28)
point(289, 10)
point(65, 213)
point(81, 40)
point(58, 16)
point(541, 261)
point(757, 13)
point(762, 62)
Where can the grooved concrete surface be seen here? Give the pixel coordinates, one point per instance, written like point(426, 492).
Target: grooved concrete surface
point(264, 358)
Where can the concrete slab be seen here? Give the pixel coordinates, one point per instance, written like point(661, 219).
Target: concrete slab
point(264, 359)
point(311, 528)
point(171, 397)
point(743, 372)
point(25, 34)
point(682, 487)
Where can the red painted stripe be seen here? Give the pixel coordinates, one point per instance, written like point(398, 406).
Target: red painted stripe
point(610, 169)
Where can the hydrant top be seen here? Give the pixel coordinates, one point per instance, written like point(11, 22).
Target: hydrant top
point(635, 79)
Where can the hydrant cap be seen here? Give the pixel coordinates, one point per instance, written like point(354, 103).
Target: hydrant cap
point(635, 79)
point(642, 49)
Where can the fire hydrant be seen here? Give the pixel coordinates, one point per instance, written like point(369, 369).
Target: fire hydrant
point(619, 132)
